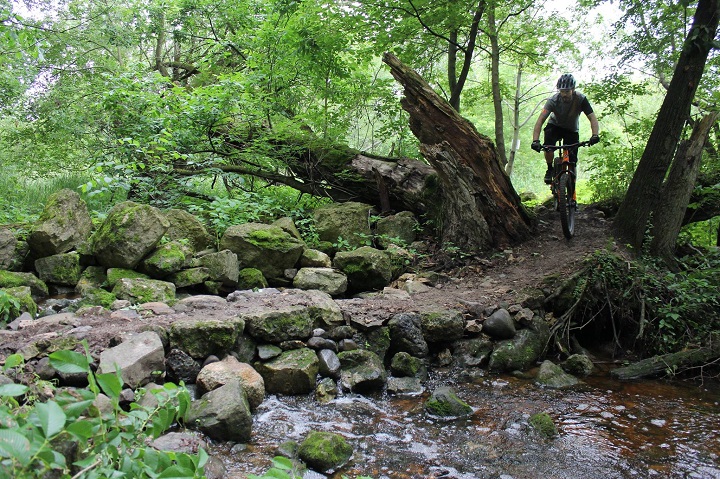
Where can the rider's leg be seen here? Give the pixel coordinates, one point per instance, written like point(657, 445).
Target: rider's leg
point(551, 138)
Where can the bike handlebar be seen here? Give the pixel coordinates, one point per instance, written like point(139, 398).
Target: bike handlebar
point(561, 147)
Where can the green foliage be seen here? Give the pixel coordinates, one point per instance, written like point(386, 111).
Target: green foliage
point(34, 433)
point(9, 307)
point(666, 311)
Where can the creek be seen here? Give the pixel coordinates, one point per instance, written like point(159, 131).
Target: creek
point(607, 429)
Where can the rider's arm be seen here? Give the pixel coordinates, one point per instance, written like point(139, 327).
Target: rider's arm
point(539, 123)
point(594, 126)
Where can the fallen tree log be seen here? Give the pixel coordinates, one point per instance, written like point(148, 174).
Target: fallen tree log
point(669, 364)
point(480, 208)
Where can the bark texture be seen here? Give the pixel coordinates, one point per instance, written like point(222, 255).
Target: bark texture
point(480, 208)
point(677, 190)
point(646, 186)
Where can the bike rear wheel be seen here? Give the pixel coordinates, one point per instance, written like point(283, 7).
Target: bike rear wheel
point(566, 205)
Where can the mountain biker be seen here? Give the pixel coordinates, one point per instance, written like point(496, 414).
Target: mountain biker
point(564, 109)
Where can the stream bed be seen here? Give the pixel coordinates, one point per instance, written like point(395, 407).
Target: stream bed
point(606, 429)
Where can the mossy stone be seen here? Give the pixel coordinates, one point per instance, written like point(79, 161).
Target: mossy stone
point(324, 451)
point(543, 424)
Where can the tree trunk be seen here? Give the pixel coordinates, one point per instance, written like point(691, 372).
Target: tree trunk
point(668, 215)
point(668, 364)
point(495, 84)
point(480, 207)
point(646, 186)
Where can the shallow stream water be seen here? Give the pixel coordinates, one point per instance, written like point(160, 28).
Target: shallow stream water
point(607, 429)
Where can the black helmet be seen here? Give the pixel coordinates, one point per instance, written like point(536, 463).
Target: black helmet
point(566, 82)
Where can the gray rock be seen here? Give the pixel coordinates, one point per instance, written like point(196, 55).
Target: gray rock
point(500, 325)
point(409, 386)
point(326, 390)
point(406, 334)
point(361, 371)
point(63, 225)
point(312, 258)
point(185, 226)
point(345, 221)
point(128, 234)
point(264, 247)
point(223, 414)
point(141, 290)
point(138, 359)
point(366, 268)
point(521, 352)
point(63, 268)
point(396, 229)
point(329, 363)
point(445, 403)
point(200, 338)
point(552, 376)
point(578, 364)
point(215, 375)
point(222, 266)
point(11, 250)
point(442, 326)
point(327, 280)
point(293, 372)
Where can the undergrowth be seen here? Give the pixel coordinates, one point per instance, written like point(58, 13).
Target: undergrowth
point(643, 306)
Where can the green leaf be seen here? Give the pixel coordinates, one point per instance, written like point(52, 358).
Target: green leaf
point(82, 429)
point(52, 418)
point(12, 361)
point(14, 445)
point(110, 383)
point(176, 472)
point(69, 362)
point(12, 390)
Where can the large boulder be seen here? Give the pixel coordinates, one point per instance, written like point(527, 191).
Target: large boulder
point(12, 251)
point(11, 279)
point(140, 290)
point(183, 226)
point(366, 268)
point(63, 268)
point(406, 334)
point(267, 248)
point(218, 373)
point(201, 338)
point(166, 260)
point(345, 222)
point(138, 358)
point(551, 375)
point(294, 372)
point(63, 225)
point(327, 280)
point(399, 229)
point(128, 234)
point(275, 316)
point(223, 413)
point(361, 371)
point(442, 326)
point(324, 451)
point(222, 266)
point(522, 351)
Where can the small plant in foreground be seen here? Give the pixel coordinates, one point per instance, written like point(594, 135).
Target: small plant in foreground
point(67, 437)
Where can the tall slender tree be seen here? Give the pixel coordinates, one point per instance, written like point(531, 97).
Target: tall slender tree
point(645, 190)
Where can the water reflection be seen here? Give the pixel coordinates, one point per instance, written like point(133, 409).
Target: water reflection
point(606, 429)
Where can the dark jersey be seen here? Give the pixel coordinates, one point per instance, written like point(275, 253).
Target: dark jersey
point(567, 114)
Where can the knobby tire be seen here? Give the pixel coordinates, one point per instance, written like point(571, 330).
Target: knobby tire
point(565, 206)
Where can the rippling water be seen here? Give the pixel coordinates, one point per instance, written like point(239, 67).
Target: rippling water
point(607, 429)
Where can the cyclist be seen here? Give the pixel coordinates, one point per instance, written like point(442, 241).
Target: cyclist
point(564, 109)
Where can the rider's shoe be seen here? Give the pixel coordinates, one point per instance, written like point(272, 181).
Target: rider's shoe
point(548, 176)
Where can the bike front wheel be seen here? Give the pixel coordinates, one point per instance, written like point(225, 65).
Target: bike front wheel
point(566, 204)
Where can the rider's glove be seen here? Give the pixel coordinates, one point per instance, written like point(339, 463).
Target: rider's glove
point(594, 139)
point(536, 146)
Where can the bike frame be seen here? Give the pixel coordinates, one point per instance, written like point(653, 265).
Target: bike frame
point(563, 185)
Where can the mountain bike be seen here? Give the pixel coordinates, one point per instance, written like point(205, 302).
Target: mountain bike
point(563, 185)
